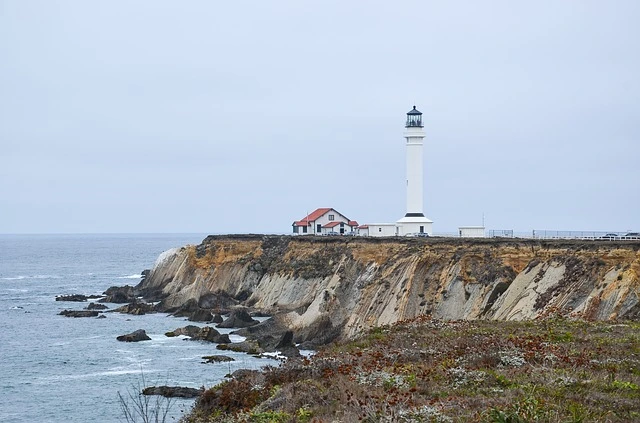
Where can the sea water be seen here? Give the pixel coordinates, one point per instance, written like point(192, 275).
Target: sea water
point(61, 369)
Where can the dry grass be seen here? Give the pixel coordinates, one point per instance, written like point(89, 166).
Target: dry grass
point(224, 251)
point(424, 370)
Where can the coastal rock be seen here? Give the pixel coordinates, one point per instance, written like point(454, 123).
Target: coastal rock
point(186, 309)
point(217, 318)
point(145, 273)
point(119, 295)
point(73, 297)
point(173, 391)
point(287, 347)
point(137, 308)
point(201, 315)
point(217, 359)
point(79, 313)
point(196, 333)
point(95, 306)
point(248, 346)
point(136, 336)
point(272, 335)
point(239, 318)
point(219, 301)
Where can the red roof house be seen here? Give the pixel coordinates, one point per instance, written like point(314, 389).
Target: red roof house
point(322, 221)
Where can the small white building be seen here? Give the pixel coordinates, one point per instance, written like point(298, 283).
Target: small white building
point(382, 229)
point(323, 221)
point(471, 231)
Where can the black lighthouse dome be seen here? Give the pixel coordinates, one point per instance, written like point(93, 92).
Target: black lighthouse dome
point(414, 118)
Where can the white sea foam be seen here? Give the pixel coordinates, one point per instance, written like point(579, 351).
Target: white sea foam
point(21, 277)
point(130, 277)
point(237, 338)
point(276, 354)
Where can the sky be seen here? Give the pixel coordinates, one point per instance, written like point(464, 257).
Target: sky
point(243, 116)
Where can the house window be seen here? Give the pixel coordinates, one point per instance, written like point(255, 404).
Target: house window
point(332, 217)
point(379, 229)
point(318, 228)
point(421, 229)
point(304, 229)
point(295, 229)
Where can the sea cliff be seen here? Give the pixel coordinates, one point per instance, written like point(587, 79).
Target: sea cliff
point(331, 288)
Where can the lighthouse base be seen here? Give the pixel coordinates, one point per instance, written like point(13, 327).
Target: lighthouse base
point(412, 225)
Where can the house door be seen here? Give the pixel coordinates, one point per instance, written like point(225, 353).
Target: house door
point(421, 229)
point(318, 228)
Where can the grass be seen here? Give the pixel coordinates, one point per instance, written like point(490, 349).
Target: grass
point(424, 370)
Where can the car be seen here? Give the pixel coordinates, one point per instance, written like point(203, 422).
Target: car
point(632, 235)
point(611, 235)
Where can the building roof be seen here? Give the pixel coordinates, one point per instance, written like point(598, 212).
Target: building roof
point(414, 111)
point(363, 227)
point(332, 224)
point(315, 215)
point(353, 223)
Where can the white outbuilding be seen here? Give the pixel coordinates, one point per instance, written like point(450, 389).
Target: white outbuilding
point(471, 231)
point(382, 229)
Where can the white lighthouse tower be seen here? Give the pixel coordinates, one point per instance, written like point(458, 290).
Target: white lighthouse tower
point(414, 221)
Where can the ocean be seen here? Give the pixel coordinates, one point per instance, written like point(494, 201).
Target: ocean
point(61, 369)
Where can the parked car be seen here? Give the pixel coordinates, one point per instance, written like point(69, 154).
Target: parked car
point(611, 235)
point(632, 235)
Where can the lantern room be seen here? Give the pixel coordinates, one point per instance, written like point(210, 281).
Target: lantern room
point(414, 118)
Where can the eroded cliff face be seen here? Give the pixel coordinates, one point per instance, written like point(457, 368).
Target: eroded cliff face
point(338, 287)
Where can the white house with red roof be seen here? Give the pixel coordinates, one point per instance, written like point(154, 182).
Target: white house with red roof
point(325, 221)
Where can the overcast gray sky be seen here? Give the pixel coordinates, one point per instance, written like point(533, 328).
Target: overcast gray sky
point(242, 116)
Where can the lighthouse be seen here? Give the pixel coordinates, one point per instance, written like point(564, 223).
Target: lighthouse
point(414, 221)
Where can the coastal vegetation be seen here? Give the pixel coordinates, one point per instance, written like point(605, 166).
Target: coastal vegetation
point(428, 370)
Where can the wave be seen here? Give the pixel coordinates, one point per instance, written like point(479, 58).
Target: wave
point(138, 276)
point(20, 277)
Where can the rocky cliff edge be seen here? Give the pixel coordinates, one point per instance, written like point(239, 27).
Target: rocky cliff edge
point(334, 288)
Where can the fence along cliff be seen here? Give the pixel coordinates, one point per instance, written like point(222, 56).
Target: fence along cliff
point(334, 288)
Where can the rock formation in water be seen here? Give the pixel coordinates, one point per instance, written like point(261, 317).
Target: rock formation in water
point(135, 336)
point(334, 288)
point(79, 313)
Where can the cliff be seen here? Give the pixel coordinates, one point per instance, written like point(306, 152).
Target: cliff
point(335, 287)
